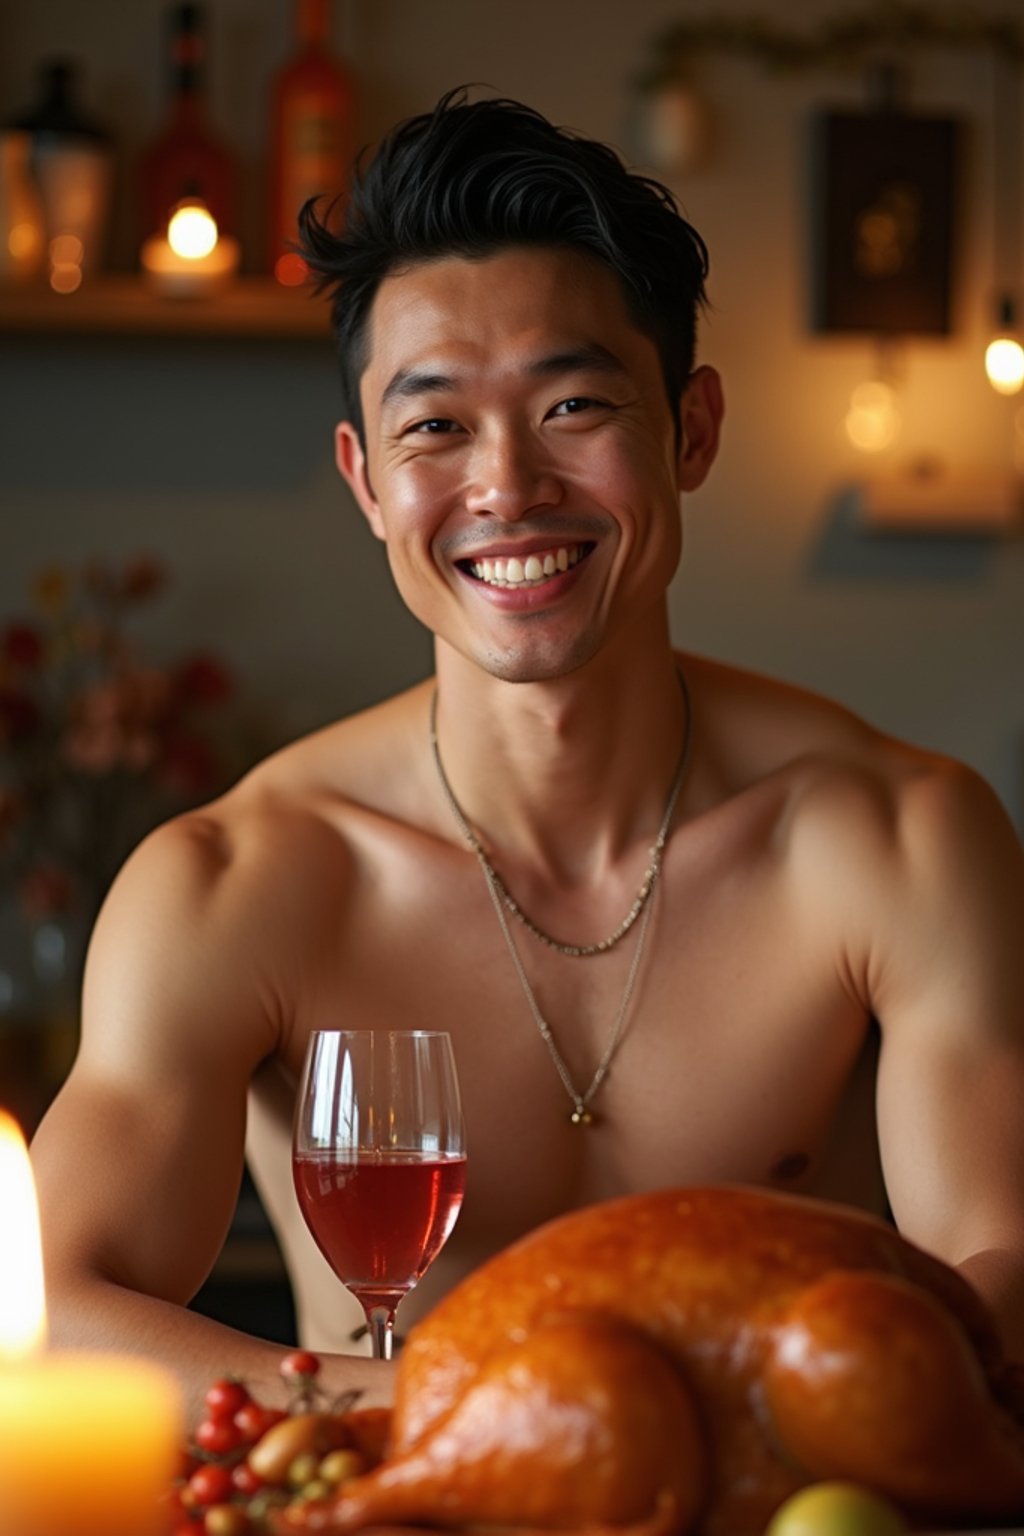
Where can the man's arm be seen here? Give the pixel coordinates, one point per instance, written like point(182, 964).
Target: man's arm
point(139, 1160)
point(947, 984)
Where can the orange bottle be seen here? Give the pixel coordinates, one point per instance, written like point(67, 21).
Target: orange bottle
point(312, 142)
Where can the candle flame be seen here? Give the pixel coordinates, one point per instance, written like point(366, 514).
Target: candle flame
point(22, 1293)
point(1004, 364)
point(192, 231)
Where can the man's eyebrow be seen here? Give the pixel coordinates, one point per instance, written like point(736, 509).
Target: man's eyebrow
point(590, 358)
point(407, 383)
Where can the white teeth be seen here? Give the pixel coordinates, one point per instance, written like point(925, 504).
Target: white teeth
point(512, 572)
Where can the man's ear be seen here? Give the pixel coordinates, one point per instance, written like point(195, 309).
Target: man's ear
point(351, 462)
point(701, 409)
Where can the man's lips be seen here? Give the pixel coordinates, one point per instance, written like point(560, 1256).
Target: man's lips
point(525, 568)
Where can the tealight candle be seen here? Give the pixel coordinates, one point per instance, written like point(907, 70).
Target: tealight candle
point(193, 256)
point(88, 1441)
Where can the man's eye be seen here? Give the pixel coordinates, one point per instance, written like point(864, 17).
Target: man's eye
point(433, 425)
point(575, 405)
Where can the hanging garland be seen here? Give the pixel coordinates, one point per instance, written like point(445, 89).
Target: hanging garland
point(840, 42)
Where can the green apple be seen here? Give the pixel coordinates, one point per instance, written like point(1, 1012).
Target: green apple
point(836, 1509)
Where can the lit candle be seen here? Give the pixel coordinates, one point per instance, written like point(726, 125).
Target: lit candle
point(193, 256)
point(88, 1442)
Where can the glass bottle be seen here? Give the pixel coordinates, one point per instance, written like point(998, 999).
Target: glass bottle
point(312, 138)
point(72, 167)
point(188, 159)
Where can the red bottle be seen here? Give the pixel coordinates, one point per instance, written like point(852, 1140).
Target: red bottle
point(188, 159)
point(312, 138)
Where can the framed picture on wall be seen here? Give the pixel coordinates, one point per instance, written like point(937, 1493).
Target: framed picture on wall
point(882, 215)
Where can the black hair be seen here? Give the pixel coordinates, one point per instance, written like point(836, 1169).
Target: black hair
point(472, 178)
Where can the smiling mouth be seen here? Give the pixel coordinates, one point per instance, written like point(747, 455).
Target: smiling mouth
point(530, 571)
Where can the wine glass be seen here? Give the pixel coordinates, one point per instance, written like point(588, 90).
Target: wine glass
point(379, 1160)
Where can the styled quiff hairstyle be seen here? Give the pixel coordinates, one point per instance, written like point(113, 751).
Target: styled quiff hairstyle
point(472, 178)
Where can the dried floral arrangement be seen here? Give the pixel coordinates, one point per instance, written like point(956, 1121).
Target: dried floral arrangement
point(98, 743)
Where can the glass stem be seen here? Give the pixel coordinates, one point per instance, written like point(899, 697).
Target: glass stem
point(381, 1322)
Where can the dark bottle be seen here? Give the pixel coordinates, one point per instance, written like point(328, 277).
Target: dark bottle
point(188, 159)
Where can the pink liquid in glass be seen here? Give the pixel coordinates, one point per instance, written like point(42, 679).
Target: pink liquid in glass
point(379, 1219)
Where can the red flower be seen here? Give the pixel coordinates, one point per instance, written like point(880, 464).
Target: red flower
point(23, 645)
point(201, 679)
point(142, 577)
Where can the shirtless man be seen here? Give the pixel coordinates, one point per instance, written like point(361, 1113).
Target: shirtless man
point(516, 316)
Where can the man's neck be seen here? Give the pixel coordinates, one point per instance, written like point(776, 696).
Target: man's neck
point(562, 778)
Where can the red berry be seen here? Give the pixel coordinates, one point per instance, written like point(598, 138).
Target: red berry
point(208, 1485)
point(253, 1420)
point(246, 1480)
point(224, 1398)
point(218, 1436)
point(300, 1365)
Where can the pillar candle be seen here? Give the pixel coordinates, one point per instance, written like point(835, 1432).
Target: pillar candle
point(88, 1441)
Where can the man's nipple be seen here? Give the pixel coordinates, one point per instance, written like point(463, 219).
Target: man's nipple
point(787, 1169)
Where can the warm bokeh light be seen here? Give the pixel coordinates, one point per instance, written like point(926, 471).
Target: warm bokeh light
point(192, 232)
point(23, 241)
point(872, 423)
point(66, 255)
point(65, 279)
point(1004, 364)
point(22, 1295)
point(290, 270)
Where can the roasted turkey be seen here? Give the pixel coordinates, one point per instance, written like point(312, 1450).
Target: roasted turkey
point(680, 1362)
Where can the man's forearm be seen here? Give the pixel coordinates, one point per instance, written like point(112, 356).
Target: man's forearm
point(997, 1274)
point(100, 1315)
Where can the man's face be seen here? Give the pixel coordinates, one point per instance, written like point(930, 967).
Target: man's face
point(521, 457)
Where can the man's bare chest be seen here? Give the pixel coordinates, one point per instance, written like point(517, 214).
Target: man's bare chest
point(729, 1064)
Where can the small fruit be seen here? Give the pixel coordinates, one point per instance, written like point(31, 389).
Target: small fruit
point(339, 1466)
point(303, 1469)
point(836, 1509)
point(300, 1365)
point(226, 1520)
point(274, 1453)
point(218, 1436)
point(254, 1420)
point(246, 1481)
point(224, 1398)
point(208, 1485)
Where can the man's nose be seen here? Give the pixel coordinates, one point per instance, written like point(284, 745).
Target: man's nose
point(511, 475)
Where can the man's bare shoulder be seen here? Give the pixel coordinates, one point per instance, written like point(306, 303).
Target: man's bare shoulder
point(282, 846)
point(758, 727)
point(879, 838)
point(842, 788)
point(294, 809)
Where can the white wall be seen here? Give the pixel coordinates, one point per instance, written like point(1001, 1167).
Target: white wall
point(217, 455)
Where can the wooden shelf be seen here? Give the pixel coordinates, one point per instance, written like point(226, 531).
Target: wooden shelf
point(128, 306)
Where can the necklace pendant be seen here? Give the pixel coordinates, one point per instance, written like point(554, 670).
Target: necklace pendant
point(581, 1116)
